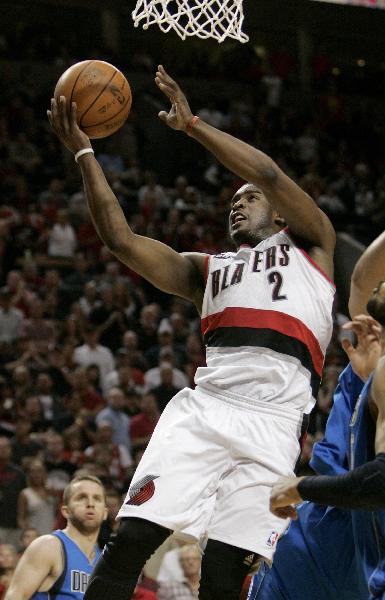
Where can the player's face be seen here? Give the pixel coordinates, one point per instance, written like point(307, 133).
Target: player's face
point(86, 508)
point(251, 216)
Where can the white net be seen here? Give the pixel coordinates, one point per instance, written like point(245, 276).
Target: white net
point(216, 19)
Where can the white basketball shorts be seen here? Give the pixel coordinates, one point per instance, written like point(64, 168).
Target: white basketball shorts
point(209, 468)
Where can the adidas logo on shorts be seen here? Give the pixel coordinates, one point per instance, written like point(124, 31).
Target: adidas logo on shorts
point(248, 561)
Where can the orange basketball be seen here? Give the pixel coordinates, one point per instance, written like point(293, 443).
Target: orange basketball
point(102, 94)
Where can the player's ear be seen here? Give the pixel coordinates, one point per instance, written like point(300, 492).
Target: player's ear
point(64, 511)
point(105, 514)
point(278, 220)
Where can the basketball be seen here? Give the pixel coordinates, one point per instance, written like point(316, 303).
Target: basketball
point(102, 94)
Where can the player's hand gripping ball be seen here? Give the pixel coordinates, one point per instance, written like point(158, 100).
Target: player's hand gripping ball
point(102, 95)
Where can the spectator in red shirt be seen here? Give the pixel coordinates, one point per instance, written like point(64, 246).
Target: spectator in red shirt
point(142, 593)
point(143, 424)
point(88, 240)
point(91, 400)
point(21, 296)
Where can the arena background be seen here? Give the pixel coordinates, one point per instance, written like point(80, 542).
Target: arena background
point(308, 89)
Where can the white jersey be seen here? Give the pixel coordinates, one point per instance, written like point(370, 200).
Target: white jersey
point(266, 323)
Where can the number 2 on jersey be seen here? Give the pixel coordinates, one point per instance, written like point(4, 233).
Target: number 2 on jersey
point(276, 280)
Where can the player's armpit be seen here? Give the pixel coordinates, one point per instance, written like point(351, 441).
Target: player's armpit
point(304, 218)
point(34, 567)
point(166, 269)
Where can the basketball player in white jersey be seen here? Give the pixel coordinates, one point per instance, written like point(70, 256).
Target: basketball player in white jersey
point(266, 320)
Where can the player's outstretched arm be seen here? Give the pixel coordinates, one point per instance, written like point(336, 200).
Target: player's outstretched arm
point(363, 488)
point(299, 210)
point(161, 265)
point(36, 565)
point(367, 273)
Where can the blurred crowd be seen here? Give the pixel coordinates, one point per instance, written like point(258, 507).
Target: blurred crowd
point(90, 354)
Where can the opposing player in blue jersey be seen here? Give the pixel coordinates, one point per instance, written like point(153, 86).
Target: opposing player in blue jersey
point(362, 489)
point(319, 546)
point(58, 565)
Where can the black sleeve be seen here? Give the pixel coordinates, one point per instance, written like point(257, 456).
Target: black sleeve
point(363, 488)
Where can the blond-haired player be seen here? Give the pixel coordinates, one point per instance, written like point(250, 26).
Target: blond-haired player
point(59, 564)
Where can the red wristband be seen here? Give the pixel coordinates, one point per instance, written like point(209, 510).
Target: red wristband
point(191, 124)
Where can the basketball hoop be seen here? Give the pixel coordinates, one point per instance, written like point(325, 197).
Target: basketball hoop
point(217, 19)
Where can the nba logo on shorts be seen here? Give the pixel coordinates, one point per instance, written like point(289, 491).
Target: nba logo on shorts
point(272, 540)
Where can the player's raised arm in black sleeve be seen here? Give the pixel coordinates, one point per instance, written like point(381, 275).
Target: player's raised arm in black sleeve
point(303, 217)
point(169, 271)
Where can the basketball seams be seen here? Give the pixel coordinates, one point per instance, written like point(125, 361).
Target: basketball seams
point(96, 98)
point(90, 85)
point(127, 105)
point(89, 129)
point(77, 78)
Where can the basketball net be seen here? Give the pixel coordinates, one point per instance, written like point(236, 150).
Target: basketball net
point(217, 19)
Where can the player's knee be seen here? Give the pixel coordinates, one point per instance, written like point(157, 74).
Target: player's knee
point(134, 533)
point(118, 569)
point(224, 568)
point(134, 542)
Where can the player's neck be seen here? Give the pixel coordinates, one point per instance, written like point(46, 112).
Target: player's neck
point(254, 238)
point(86, 542)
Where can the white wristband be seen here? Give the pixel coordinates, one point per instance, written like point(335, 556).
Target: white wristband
point(81, 152)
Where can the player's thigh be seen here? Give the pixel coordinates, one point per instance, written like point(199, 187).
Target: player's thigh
point(242, 515)
point(178, 476)
point(242, 518)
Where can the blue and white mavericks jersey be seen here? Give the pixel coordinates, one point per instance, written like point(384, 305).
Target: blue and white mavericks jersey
point(77, 570)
